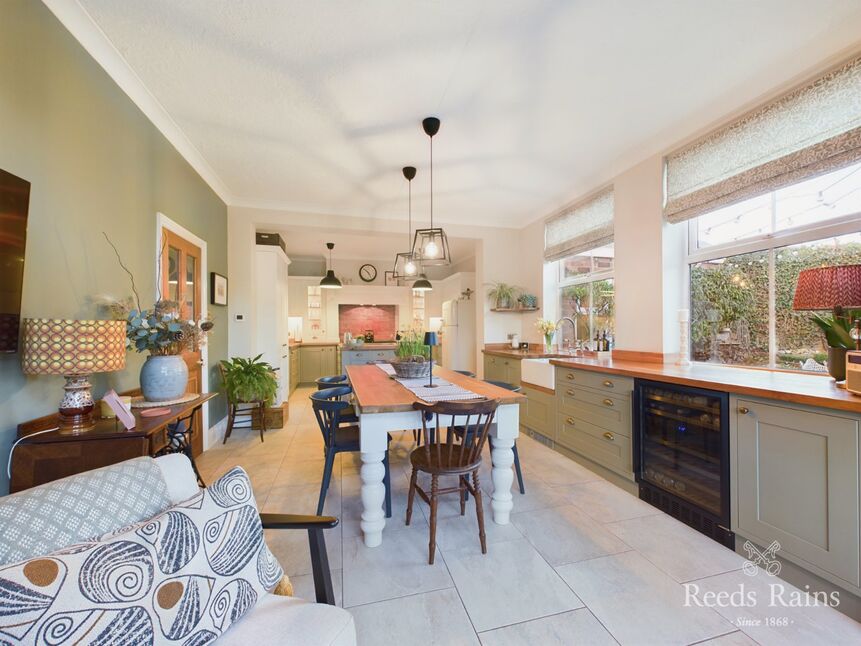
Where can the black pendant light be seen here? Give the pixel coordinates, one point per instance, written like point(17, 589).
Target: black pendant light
point(406, 267)
point(330, 281)
point(422, 284)
point(430, 246)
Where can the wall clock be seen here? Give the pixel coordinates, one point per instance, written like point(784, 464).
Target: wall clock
point(368, 273)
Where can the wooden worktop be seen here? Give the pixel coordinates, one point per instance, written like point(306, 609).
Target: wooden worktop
point(376, 392)
point(795, 387)
point(311, 344)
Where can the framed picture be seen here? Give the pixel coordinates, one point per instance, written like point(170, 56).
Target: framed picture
point(217, 289)
point(391, 281)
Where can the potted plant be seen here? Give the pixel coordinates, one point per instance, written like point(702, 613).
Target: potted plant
point(836, 329)
point(412, 356)
point(528, 301)
point(249, 380)
point(548, 329)
point(503, 295)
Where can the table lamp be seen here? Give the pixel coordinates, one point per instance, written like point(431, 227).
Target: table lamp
point(431, 340)
point(828, 288)
point(75, 350)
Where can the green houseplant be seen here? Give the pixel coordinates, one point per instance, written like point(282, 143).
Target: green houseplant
point(503, 295)
point(412, 356)
point(836, 330)
point(249, 380)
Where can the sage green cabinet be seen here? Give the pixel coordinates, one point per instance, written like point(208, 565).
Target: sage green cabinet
point(317, 361)
point(539, 412)
point(498, 368)
point(795, 479)
point(294, 368)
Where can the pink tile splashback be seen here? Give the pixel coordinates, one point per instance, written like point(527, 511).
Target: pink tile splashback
point(356, 319)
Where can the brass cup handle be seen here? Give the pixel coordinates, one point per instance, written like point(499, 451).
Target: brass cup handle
point(569, 392)
point(608, 402)
point(569, 377)
point(743, 410)
point(608, 383)
point(609, 436)
point(569, 421)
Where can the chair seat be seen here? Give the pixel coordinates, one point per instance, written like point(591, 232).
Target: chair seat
point(440, 462)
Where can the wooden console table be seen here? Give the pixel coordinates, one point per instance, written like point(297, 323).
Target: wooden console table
point(51, 456)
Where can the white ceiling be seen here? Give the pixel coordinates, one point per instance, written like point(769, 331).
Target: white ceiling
point(316, 105)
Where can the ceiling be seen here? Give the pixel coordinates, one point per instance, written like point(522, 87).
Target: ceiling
point(315, 106)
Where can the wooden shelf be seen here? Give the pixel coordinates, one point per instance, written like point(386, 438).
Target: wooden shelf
point(515, 309)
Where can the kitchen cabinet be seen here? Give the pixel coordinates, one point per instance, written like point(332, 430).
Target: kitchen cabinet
point(317, 361)
point(539, 412)
point(365, 355)
point(499, 368)
point(795, 479)
point(294, 368)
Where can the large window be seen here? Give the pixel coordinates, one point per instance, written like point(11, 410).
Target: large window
point(586, 293)
point(744, 263)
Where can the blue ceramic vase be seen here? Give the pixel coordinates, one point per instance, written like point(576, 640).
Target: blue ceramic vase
point(164, 378)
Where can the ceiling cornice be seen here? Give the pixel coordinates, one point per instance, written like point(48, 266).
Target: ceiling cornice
point(87, 32)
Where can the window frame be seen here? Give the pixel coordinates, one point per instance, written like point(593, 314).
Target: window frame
point(583, 279)
point(768, 242)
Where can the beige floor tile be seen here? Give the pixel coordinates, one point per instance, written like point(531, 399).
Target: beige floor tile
point(605, 502)
point(510, 584)
point(737, 638)
point(291, 548)
point(429, 618)
point(397, 568)
point(575, 628)
point(638, 603)
point(303, 587)
point(763, 621)
point(566, 534)
point(460, 533)
point(678, 550)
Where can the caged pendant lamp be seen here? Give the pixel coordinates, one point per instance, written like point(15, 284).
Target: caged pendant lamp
point(406, 267)
point(330, 281)
point(430, 246)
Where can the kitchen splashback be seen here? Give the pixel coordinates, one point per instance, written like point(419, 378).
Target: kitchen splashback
point(357, 319)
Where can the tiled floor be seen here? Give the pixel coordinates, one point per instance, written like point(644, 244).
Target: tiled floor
point(582, 562)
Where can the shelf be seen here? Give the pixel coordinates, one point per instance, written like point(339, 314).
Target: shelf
point(515, 309)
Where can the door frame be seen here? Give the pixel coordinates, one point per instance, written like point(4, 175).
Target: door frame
point(164, 222)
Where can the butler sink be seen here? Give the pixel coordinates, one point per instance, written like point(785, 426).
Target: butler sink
point(538, 372)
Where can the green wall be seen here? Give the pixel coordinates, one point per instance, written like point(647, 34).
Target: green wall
point(95, 163)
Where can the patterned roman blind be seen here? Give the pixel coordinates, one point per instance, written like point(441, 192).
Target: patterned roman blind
point(810, 130)
point(583, 226)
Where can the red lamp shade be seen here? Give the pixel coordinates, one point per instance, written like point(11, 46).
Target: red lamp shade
point(824, 288)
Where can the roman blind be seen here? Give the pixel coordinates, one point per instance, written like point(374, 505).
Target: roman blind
point(583, 226)
point(810, 130)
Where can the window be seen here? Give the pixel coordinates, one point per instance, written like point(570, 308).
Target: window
point(744, 263)
point(586, 293)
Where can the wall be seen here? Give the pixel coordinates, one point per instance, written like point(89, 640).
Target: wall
point(382, 320)
point(96, 164)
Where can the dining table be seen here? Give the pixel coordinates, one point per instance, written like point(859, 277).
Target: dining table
point(384, 405)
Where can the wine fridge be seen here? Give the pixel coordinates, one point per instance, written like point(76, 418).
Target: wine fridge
point(681, 455)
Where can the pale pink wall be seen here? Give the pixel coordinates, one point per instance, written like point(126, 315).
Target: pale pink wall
point(355, 319)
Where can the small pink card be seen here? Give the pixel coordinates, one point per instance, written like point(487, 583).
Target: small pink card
point(123, 414)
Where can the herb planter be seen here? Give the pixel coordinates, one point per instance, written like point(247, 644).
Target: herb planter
point(411, 369)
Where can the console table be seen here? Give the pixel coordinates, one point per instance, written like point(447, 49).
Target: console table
point(51, 456)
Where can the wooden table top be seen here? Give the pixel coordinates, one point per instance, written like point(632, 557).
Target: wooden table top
point(110, 428)
point(376, 392)
point(789, 386)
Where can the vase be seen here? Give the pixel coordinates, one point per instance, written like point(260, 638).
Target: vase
point(837, 363)
point(164, 377)
point(548, 342)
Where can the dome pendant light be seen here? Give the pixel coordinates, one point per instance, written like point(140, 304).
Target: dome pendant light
point(406, 266)
point(330, 281)
point(430, 246)
point(422, 284)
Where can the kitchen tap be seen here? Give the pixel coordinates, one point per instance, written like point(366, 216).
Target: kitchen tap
point(573, 326)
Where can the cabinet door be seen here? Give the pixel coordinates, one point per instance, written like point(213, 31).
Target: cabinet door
point(329, 362)
point(539, 412)
point(797, 482)
point(311, 364)
point(512, 371)
point(494, 369)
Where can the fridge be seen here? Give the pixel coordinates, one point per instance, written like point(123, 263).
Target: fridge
point(458, 335)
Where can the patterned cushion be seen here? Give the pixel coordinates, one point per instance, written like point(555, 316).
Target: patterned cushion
point(183, 577)
point(46, 518)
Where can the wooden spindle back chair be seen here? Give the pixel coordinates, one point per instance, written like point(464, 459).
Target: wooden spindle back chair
point(449, 454)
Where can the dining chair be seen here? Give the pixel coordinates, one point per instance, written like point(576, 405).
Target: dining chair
point(328, 408)
point(448, 454)
point(323, 383)
point(516, 389)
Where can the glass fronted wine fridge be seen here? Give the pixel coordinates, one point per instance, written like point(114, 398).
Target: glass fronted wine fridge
point(681, 455)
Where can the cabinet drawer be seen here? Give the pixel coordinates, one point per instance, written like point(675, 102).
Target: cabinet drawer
point(610, 412)
point(609, 449)
point(597, 380)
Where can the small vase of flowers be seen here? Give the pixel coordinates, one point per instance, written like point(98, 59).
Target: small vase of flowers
point(548, 329)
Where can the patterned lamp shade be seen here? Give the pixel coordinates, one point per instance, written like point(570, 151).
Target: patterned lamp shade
point(824, 288)
point(69, 347)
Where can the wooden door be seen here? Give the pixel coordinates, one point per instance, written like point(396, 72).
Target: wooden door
point(180, 282)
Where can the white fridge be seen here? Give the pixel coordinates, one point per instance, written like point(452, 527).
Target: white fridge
point(458, 335)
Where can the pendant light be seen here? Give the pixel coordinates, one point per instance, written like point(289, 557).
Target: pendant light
point(430, 246)
point(330, 281)
point(422, 284)
point(406, 267)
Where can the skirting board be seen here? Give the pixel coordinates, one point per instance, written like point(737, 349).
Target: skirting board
point(215, 433)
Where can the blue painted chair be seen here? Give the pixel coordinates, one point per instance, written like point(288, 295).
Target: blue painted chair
point(328, 408)
point(323, 383)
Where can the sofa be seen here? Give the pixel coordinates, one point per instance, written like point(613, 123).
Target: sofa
point(137, 553)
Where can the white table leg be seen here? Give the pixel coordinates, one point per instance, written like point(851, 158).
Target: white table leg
point(373, 495)
point(502, 475)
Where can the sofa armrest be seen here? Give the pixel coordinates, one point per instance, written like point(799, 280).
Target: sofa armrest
point(296, 521)
point(319, 557)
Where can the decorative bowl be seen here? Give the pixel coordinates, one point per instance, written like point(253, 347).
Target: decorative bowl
point(411, 369)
